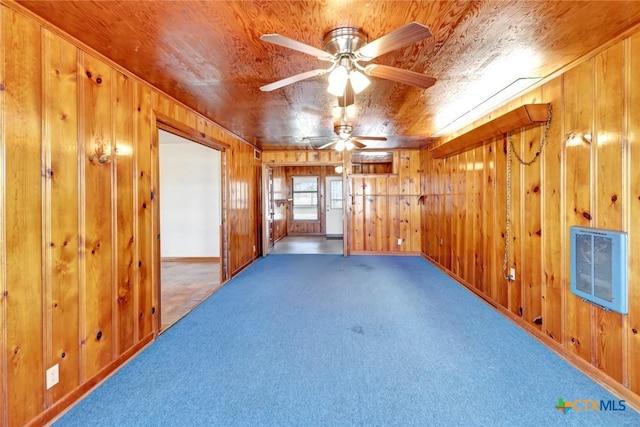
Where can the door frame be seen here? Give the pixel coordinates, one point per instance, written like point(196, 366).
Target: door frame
point(176, 127)
point(346, 207)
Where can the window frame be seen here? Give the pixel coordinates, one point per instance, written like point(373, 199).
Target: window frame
point(317, 198)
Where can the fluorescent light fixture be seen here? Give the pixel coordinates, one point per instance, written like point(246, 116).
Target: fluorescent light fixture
point(359, 81)
point(488, 105)
point(338, 80)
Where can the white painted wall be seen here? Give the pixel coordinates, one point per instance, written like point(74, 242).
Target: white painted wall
point(190, 201)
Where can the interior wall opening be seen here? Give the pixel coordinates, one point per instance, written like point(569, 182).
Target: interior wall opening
point(304, 210)
point(190, 189)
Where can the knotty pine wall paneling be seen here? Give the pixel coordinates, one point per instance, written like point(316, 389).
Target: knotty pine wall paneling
point(22, 217)
point(591, 181)
point(4, 416)
point(578, 102)
point(144, 152)
point(554, 241)
point(609, 117)
point(78, 202)
point(96, 224)
point(633, 130)
point(61, 211)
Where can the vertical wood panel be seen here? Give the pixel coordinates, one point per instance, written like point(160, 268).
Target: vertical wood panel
point(61, 210)
point(633, 213)
point(4, 416)
point(23, 217)
point(609, 109)
point(144, 237)
point(554, 236)
point(479, 183)
point(98, 152)
point(578, 101)
point(532, 229)
point(488, 209)
point(125, 212)
point(515, 256)
point(501, 285)
point(469, 221)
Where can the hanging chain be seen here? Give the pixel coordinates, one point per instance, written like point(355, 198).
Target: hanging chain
point(511, 150)
point(507, 234)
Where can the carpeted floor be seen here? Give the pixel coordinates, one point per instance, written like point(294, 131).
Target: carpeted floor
point(322, 340)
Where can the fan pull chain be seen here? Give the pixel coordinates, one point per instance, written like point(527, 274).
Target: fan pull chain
point(511, 150)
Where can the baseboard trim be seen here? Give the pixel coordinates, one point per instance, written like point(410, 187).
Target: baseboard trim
point(190, 259)
point(66, 402)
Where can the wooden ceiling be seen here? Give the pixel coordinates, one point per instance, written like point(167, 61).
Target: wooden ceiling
point(208, 55)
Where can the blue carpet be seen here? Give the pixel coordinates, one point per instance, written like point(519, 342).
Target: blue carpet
point(322, 340)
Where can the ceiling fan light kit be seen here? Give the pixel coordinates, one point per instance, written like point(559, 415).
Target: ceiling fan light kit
point(345, 48)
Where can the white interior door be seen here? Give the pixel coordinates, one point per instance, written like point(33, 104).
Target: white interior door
point(334, 206)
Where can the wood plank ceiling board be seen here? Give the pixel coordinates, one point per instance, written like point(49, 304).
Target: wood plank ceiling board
point(209, 56)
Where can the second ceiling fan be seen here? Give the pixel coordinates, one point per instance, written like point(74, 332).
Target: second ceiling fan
point(346, 48)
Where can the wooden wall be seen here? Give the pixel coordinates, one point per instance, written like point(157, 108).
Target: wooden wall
point(78, 244)
point(382, 208)
point(574, 182)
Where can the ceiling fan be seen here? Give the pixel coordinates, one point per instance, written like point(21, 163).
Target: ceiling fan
point(346, 48)
point(344, 140)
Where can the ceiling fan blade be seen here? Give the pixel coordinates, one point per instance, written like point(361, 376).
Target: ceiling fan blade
point(348, 98)
point(400, 75)
point(292, 79)
point(322, 147)
point(357, 144)
point(369, 138)
point(283, 41)
point(410, 33)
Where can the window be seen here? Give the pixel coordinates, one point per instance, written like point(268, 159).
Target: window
point(335, 193)
point(305, 198)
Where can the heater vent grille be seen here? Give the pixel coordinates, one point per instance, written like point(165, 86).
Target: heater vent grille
point(599, 267)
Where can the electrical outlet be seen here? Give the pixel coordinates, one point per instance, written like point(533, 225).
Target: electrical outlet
point(399, 241)
point(512, 273)
point(52, 376)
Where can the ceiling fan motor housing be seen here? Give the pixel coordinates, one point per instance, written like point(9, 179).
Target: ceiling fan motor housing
point(344, 41)
point(343, 130)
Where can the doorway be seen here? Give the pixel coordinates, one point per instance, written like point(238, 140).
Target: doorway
point(190, 176)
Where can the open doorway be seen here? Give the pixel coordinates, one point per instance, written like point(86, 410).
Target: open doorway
point(190, 180)
point(304, 210)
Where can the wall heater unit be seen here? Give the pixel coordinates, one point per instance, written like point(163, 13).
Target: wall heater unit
point(599, 267)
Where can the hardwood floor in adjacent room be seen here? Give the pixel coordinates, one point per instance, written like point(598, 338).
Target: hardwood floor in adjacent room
point(184, 285)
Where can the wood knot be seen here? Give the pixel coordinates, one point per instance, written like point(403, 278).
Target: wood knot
point(99, 80)
point(586, 215)
point(1, 86)
point(89, 74)
point(63, 355)
point(139, 263)
point(634, 330)
point(99, 335)
point(614, 198)
point(536, 189)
